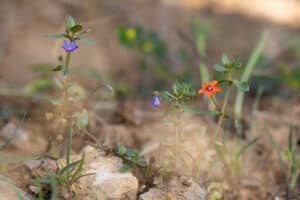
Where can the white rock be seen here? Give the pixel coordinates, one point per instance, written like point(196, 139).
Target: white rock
point(21, 139)
point(107, 182)
point(17, 136)
point(8, 191)
point(178, 189)
point(153, 194)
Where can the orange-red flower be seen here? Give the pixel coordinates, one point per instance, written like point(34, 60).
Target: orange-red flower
point(209, 88)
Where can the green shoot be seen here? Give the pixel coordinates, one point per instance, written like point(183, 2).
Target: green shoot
point(256, 53)
point(131, 158)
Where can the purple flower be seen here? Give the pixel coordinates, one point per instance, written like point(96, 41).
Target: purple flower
point(69, 47)
point(155, 102)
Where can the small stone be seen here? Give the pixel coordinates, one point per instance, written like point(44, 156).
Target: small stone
point(153, 194)
point(34, 189)
point(21, 139)
point(176, 190)
point(49, 164)
point(33, 164)
point(88, 149)
point(106, 181)
point(187, 182)
point(44, 163)
point(17, 136)
point(8, 191)
point(157, 181)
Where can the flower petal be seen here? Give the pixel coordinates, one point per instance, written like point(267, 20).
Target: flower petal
point(201, 91)
point(204, 85)
point(217, 89)
point(213, 83)
point(209, 93)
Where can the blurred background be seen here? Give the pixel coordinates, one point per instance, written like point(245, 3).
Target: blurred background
point(142, 44)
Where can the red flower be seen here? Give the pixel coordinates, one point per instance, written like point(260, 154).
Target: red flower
point(209, 88)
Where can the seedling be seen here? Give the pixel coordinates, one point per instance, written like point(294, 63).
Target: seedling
point(293, 160)
point(65, 177)
point(131, 158)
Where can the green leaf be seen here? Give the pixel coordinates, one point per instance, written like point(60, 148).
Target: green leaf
point(288, 155)
point(58, 36)
point(44, 180)
point(76, 28)
point(220, 68)
point(140, 163)
point(57, 68)
point(131, 153)
point(167, 95)
point(70, 22)
point(85, 39)
point(242, 86)
point(225, 59)
point(82, 119)
point(70, 166)
point(121, 149)
point(125, 167)
point(225, 81)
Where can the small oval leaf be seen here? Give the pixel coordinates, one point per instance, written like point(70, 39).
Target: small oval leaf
point(241, 85)
point(220, 68)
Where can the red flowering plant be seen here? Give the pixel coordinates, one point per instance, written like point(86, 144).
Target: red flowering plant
point(229, 69)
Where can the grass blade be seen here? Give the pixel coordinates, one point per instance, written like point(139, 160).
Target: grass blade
point(245, 147)
point(291, 138)
point(257, 51)
point(69, 166)
point(54, 190)
point(277, 149)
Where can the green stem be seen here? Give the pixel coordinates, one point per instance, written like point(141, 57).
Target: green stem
point(68, 57)
point(69, 144)
point(223, 111)
point(178, 136)
point(214, 102)
point(69, 126)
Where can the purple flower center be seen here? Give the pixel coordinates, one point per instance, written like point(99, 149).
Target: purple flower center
point(209, 88)
point(69, 47)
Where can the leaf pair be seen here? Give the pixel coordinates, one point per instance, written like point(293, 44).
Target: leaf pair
point(72, 32)
point(130, 158)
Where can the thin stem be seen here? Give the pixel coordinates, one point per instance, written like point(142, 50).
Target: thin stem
point(69, 144)
point(68, 57)
point(212, 98)
point(178, 139)
point(223, 111)
point(69, 125)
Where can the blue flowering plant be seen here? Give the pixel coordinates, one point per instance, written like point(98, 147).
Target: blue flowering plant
point(68, 116)
point(74, 32)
